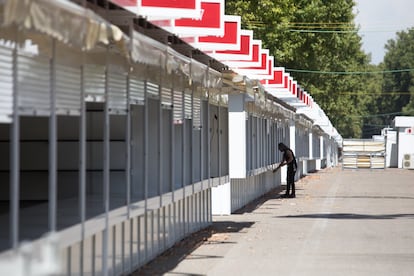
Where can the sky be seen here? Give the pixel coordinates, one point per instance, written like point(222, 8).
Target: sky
point(379, 20)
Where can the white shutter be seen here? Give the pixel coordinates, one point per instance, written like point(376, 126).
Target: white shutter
point(6, 84)
point(166, 97)
point(33, 84)
point(117, 90)
point(94, 82)
point(68, 81)
point(178, 107)
point(152, 90)
point(136, 90)
point(196, 112)
point(187, 106)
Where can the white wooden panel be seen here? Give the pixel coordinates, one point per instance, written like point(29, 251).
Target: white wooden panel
point(136, 90)
point(6, 84)
point(94, 82)
point(117, 90)
point(68, 89)
point(33, 84)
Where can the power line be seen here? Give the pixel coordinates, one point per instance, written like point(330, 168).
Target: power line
point(325, 27)
point(391, 93)
point(340, 24)
point(321, 31)
point(350, 72)
point(373, 125)
point(321, 26)
point(339, 31)
point(376, 115)
point(319, 23)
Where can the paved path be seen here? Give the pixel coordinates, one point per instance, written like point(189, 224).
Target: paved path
point(341, 223)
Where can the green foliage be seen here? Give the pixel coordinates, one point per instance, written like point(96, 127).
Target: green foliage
point(369, 98)
point(400, 55)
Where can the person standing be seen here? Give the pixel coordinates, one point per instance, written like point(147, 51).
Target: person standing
point(289, 160)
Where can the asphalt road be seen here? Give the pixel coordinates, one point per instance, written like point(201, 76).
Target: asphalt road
point(352, 222)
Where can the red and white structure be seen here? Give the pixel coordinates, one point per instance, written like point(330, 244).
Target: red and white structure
point(249, 50)
point(162, 9)
point(230, 40)
point(209, 22)
point(284, 87)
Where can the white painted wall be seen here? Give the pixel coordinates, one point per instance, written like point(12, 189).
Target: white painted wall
point(391, 153)
point(405, 136)
point(310, 144)
point(221, 199)
point(237, 137)
point(405, 144)
point(292, 135)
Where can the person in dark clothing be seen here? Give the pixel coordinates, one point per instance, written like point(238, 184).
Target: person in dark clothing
point(289, 160)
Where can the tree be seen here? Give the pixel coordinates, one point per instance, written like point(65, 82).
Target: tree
point(400, 84)
point(370, 95)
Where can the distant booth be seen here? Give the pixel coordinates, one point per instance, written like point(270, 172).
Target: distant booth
point(404, 128)
point(363, 154)
point(315, 149)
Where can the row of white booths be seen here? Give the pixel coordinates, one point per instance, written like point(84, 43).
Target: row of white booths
point(117, 142)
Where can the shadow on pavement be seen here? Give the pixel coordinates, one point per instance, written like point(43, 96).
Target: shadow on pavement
point(255, 204)
point(368, 197)
point(350, 216)
point(214, 234)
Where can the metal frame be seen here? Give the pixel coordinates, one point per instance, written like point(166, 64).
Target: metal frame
point(53, 144)
point(15, 158)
